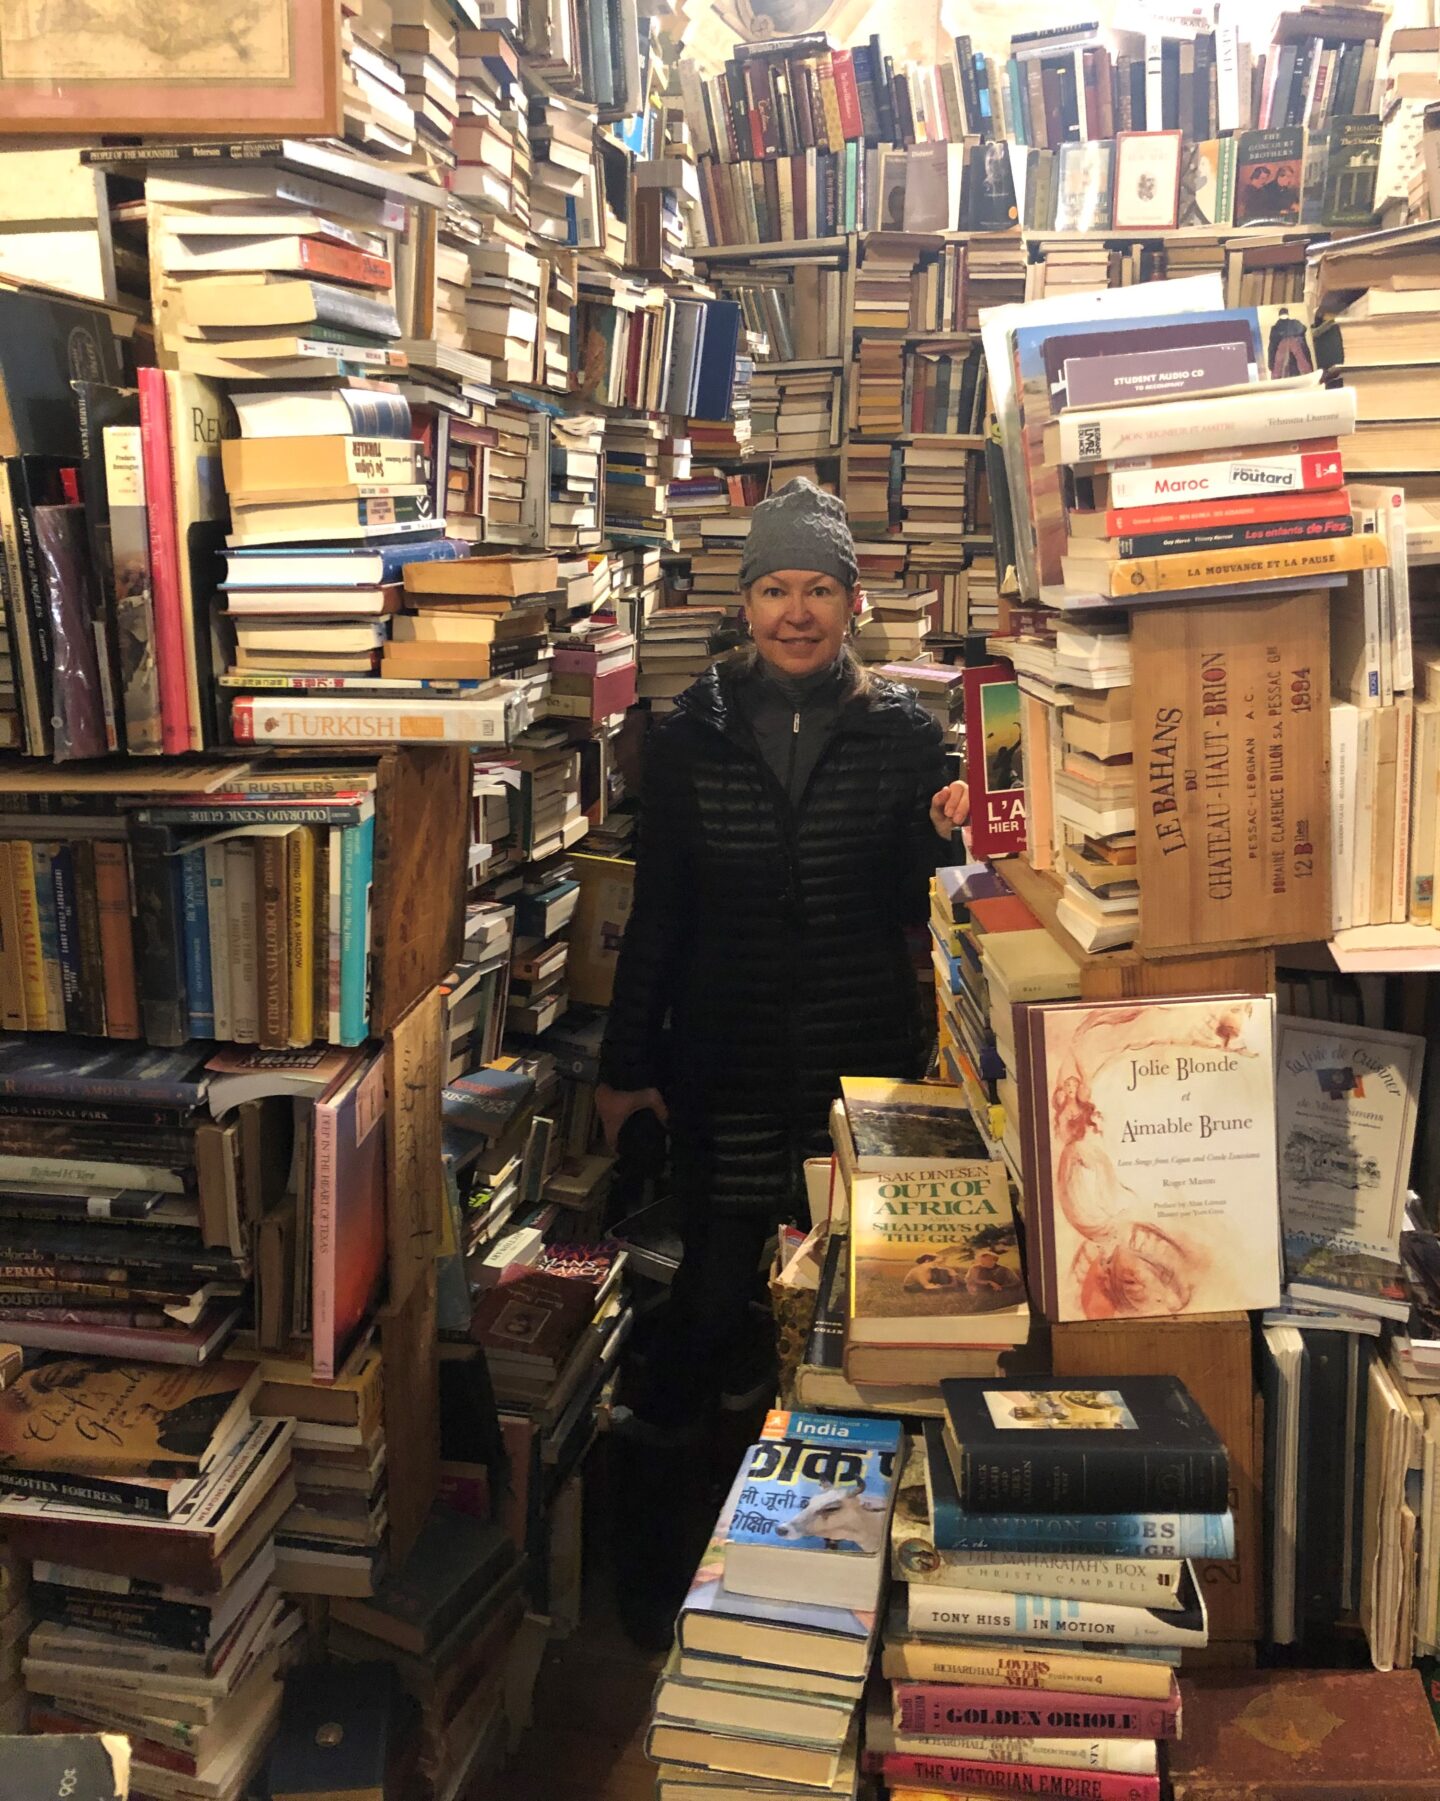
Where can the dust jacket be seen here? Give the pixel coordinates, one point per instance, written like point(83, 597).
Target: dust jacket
point(1152, 1157)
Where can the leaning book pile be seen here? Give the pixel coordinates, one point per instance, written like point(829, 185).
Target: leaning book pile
point(1046, 1598)
point(762, 1691)
point(154, 1582)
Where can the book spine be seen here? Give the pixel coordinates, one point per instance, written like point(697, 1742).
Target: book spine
point(12, 979)
point(67, 934)
point(965, 1612)
point(357, 862)
point(1209, 424)
point(337, 262)
point(218, 927)
point(200, 994)
point(1233, 537)
point(940, 1708)
point(323, 1249)
point(92, 955)
point(271, 901)
point(28, 611)
point(48, 916)
point(242, 935)
point(847, 94)
point(904, 1769)
point(1281, 562)
point(125, 481)
point(300, 935)
point(1307, 470)
point(1161, 1535)
point(117, 939)
point(167, 599)
point(159, 935)
point(255, 721)
point(85, 1491)
point(1202, 515)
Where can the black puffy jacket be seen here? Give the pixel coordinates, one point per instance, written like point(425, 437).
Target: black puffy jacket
point(771, 935)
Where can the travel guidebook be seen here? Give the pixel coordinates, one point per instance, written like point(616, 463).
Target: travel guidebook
point(1150, 1157)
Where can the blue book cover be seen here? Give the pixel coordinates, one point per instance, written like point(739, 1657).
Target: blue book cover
point(832, 1429)
point(815, 1497)
point(776, 1623)
point(200, 991)
point(67, 930)
point(357, 857)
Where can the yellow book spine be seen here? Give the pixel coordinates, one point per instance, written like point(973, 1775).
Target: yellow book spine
point(12, 981)
point(1276, 562)
point(830, 100)
point(32, 956)
point(300, 939)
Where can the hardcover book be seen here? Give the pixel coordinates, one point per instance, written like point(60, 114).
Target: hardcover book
point(943, 1709)
point(1150, 1154)
point(348, 1261)
point(935, 1260)
point(811, 1523)
point(982, 1613)
point(994, 764)
point(1294, 1735)
point(1268, 171)
point(898, 1127)
point(1346, 1099)
point(1126, 1444)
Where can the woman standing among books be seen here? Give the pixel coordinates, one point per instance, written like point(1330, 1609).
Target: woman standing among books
point(794, 809)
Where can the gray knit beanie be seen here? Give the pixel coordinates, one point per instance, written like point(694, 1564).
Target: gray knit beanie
point(801, 527)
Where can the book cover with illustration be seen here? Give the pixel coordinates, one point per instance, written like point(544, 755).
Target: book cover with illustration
point(896, 1125)
point(994, 764)
point(1153, 1145)
point(1346, 1102)
point(97, 1418)
point(934, 1259)
point(811, 1523)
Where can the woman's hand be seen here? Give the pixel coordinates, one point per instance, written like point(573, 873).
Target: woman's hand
point(949, 807)
point(615, 1105)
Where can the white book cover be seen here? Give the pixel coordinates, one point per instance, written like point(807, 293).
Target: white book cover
point(1344, 748)
point(1274, 412)
point(1346, 1103)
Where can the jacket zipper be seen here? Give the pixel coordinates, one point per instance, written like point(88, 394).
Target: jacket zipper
point(794, 746)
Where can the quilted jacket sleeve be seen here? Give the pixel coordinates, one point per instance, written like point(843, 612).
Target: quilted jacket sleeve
point(644, 977)
point(927, 851)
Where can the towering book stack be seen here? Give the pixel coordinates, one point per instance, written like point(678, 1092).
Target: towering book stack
point(675, 650)
point(489, 1126)
point(379, 116)
point(478, 620)
point(774, 1639)
point(153, 1563)
point(896, 621)
point(1010, 1551)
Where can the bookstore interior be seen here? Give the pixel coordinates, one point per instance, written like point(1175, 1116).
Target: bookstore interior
point(514, 1151)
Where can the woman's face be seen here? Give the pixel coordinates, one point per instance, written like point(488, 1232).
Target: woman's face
point(798, 619)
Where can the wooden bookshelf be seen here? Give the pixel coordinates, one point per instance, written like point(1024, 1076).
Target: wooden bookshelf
point(799, 247)
point(1125, 974)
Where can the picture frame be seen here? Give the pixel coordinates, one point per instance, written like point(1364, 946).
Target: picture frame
point(1147, 180)
point(253, 69)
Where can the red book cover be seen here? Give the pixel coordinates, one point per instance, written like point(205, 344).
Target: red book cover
point(847, 93)
point(348, 1231)
point(940, 1708)
point(1241, 509)
point(167, 599)
point(1002, 913)
point(339, 262)
point(964, 1775)
point(993, 761)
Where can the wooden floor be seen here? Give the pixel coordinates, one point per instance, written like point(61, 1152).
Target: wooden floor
point(592, 1702)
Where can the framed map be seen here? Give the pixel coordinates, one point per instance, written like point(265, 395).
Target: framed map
point(171, 68)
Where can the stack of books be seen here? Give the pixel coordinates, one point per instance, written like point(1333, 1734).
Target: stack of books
point(537, 995)
point(425, 53)
point(446, 1622)
point(123, 1231)
point(563, 175)
point(491, 140)
point(793, 310)
point(774, 1640)
point(642, 457)
point(478, 619)
point(333, 1541)
point(934, 493)
point(576, 450)
point(895, 623)
point(1039, 1613)
point(153, 1578)
point(502, 310)
point(551, 1337)
point(675, 650)
point(636, 586)
point(939, 687)
point(593, 676)
point(490, 1129)
point(795, 412)
point(379, 116)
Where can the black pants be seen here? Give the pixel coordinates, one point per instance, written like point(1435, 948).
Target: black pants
point(701, 1335)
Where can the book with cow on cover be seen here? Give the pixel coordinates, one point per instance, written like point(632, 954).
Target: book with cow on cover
point(811, 1523)
point(1121, 1444)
